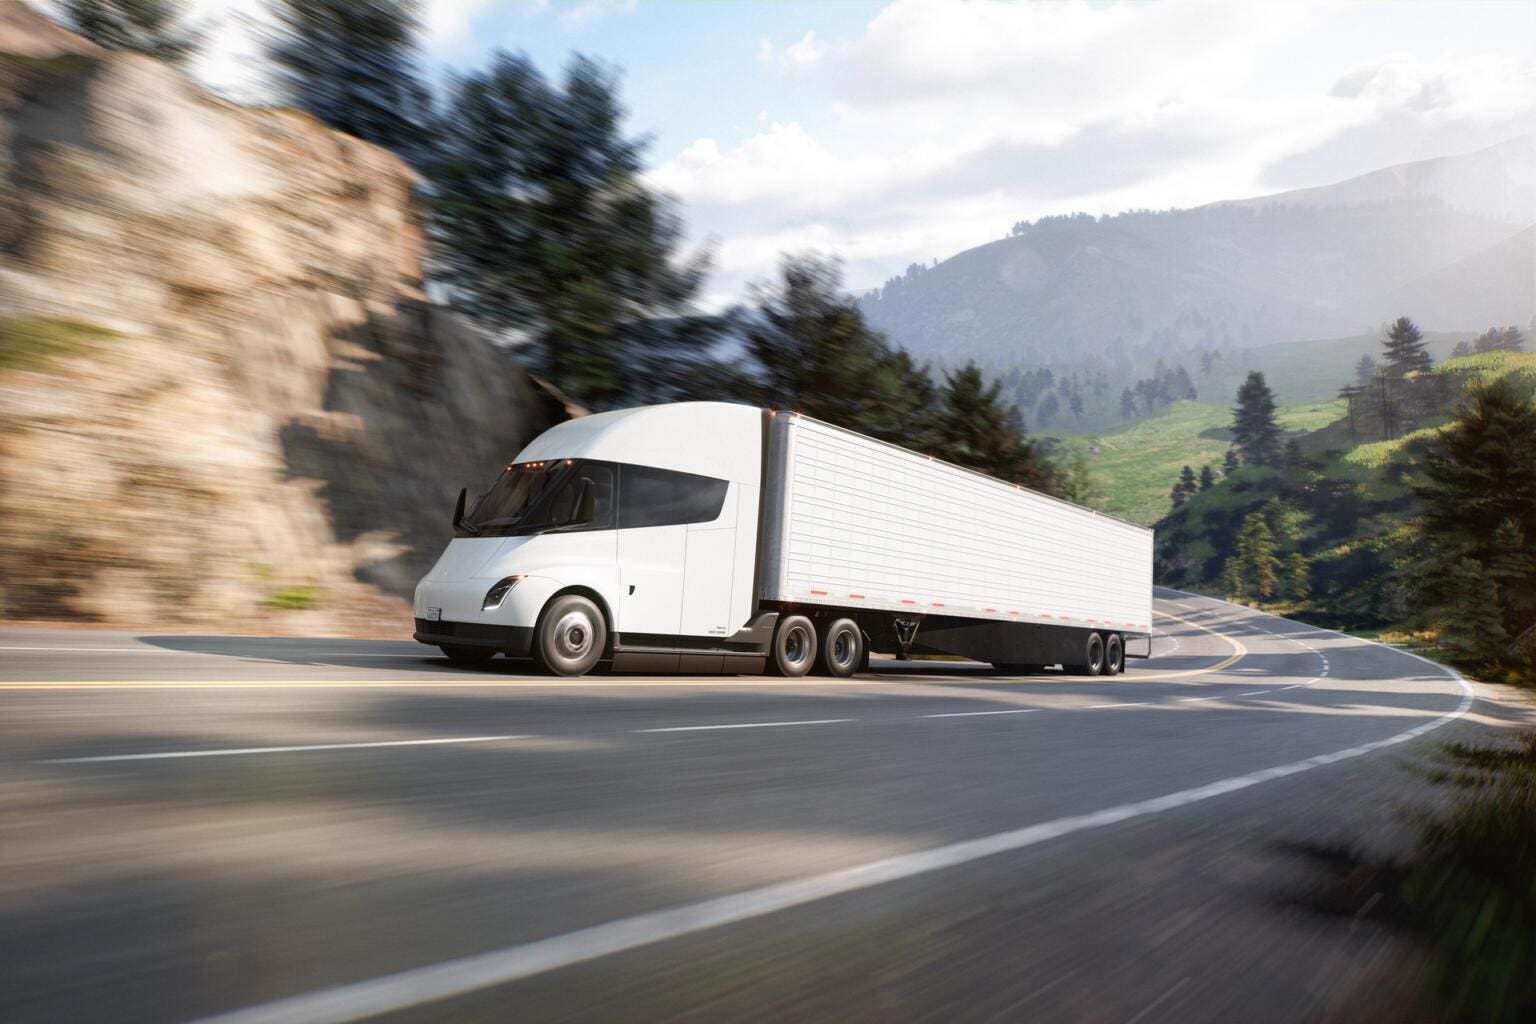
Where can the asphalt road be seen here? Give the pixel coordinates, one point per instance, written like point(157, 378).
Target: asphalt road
point(310, 830)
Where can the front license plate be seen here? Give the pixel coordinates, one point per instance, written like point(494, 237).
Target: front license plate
point(434, 615)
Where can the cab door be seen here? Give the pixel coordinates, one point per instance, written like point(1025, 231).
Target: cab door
point(651, 560)
point(709, 575)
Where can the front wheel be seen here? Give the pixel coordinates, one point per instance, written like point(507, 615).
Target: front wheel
point(1114, 655)
point(571, 636)
point(794, 647)
point(1093, 657)
point(842, 648)
point(461, 654)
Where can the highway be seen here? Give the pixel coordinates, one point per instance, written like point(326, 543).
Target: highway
point(262, 830)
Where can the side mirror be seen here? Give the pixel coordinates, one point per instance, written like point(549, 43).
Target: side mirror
point(586, 504)
point(458, 507)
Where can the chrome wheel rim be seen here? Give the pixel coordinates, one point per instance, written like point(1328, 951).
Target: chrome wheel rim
point(797, 645)
point(573, 636)
point(1095, 657)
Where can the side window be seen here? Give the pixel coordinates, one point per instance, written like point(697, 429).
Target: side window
point(564, 508)
point(660, 497)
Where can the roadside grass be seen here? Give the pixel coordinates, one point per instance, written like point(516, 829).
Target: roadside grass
point(1467, 889)
point(298, 597)
point(31, 343)
point(1135, 468)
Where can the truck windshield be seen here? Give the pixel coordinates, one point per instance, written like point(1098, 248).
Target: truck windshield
point(533, 497)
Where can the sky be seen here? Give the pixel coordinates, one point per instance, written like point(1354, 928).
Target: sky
point(887, 133)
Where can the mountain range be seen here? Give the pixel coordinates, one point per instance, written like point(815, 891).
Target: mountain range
point(1448, 241)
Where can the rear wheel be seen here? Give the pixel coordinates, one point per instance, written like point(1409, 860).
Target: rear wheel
point(794, 647)
point(1114, 655)
point(842, 648)
point(460, 654)
point(1093, 657)
point(570, 636)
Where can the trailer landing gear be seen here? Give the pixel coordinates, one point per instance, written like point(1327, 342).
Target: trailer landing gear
point(906, 632)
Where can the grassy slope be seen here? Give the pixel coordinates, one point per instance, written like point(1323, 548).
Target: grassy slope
point(1135, 468)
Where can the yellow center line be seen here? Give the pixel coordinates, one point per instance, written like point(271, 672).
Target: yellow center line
point(589, 682)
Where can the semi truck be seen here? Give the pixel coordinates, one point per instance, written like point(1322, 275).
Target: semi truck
point(711, 537)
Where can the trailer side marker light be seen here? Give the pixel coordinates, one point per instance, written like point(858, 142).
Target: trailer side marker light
point(856, 597)
point(819, 593)
point(905, 601)
point(993, 610)
point(937, 604)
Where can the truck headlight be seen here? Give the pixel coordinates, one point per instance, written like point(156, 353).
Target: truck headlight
point(498, 593)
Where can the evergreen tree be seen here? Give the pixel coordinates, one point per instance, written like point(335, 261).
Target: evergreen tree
point(1476, 484)
point(544, 226)
point(1127, 404)
point(1185, 487)
point(1298, 576)
point(1404, 348)
point(976, 430)
point(154, 27)
point(1255, 432)
point(1295, 462)
point(1078, 484)
point(1229, 462)
point(1256, 554)
point(1352, 395)
point(1232, 578)
point(1049, 409)
point(1365, 369)
point(1462, 350)
point(1207, 477)
point(1470, 621)
point(354, 64)
point(1499, 339)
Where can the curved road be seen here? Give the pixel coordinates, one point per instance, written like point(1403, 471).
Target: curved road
point(311, 830)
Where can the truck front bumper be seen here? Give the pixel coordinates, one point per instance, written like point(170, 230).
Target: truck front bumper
point(515, 641)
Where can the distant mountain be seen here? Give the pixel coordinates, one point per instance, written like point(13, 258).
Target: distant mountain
point(1312, 263)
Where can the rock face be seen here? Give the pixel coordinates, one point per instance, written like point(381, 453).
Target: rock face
point(224, 398)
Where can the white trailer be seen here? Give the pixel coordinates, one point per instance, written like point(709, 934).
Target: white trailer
point(709, 537)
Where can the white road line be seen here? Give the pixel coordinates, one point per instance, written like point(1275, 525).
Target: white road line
point(270, 656)
point(1253, 693)
point(1195, 700)
point(974, 714)
point(394, 992)
point(1135, 704)
point(746, 725)
point(233, 751)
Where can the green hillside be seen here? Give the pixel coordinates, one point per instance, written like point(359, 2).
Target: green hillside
point(1135, 468)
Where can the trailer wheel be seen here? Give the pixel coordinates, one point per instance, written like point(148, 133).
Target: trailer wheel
point(1114, 655)
point(463, 654)
point(794, 646)
point(570, 636)
point(1093, 655)
point(842, 648)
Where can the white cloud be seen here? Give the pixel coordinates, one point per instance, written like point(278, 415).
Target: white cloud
point(944, 122)
point(586, 12)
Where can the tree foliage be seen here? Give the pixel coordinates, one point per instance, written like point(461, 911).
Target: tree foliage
point(543, 226)
point(1404, 348)
point(1255, 432)
point(154, 27)
point(1476, 484)
point(1257, 564)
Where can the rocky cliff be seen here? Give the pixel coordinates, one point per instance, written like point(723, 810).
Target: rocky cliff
point(224, 398)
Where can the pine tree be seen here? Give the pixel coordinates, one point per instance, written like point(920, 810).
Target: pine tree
point(1207, 477)
point(1256, 554)
point(1351, 393)
point(1255, 432)
point(354, 64)
point(1404, 348)
point(1365, 369)
point(1232, 578)
point(1470, 620)
point(543, 225)
point(1295, 462)
point(1229, 462)
point(153, 27)
point(1185, 487)
point(1127, 404)
point(976, 430)
point(1298, 576)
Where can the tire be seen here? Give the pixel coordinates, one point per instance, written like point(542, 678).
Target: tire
point(841, 648)
point(571, 636)
point(1114, 655)
point(461, 654)
point(793, 652)
point(1093, 657)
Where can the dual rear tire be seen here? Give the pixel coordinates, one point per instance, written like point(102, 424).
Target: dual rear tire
point(835, 647)
point(1103, 654)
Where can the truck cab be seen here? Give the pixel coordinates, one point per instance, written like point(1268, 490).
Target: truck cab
point(630, 532)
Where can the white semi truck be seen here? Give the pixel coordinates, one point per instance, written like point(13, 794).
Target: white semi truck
point(719, 538)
